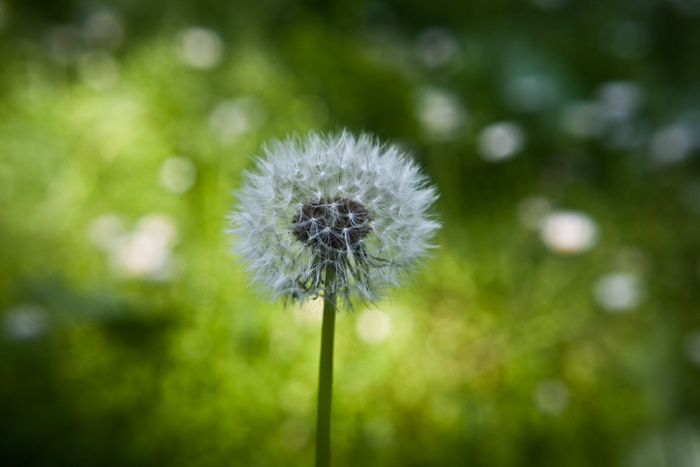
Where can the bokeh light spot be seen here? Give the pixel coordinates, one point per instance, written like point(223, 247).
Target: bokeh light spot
point(569, 232)
point(24, 322)
point(619, 292)
point(551, 396)
point(200, 47)
point(670, 145)
point(146, 252)
point(373, 327)
point(690, 121)
point(619, 100)
point(440, 113)
point(177, 174)
point(500, 141)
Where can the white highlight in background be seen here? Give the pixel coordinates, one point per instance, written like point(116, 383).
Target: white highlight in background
point(373, 327)
point(619, 100)
point(177, 174)
point(200, 48)
point(24, 322)
point(569, 232)
point(670, 144)
point(500, 141)
point(440, 113)
point(142, 253)
point(619, 292)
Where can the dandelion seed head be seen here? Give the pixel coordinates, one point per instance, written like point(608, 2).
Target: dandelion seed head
point(332, 215)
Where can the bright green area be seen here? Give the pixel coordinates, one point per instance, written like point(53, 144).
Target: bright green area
point(133, 340)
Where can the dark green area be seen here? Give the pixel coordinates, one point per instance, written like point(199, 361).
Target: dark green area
point(129, 337)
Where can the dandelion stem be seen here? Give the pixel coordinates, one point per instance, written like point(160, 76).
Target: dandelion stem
point(325, 385)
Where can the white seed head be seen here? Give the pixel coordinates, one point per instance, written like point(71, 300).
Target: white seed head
point(332, 215)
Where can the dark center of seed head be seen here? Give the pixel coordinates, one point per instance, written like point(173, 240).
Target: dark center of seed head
point(336, 224)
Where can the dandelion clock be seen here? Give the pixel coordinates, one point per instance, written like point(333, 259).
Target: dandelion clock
point(338, 217)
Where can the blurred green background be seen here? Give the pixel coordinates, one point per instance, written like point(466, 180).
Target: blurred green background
point(558, 324)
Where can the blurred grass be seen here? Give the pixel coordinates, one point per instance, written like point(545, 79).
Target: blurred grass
point(499, 354)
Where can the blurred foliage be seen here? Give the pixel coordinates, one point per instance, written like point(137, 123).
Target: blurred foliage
point(556, 325)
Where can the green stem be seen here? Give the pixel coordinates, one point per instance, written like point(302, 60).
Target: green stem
point(325, 385)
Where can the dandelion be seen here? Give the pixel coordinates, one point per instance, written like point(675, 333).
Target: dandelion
point(338, 217)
